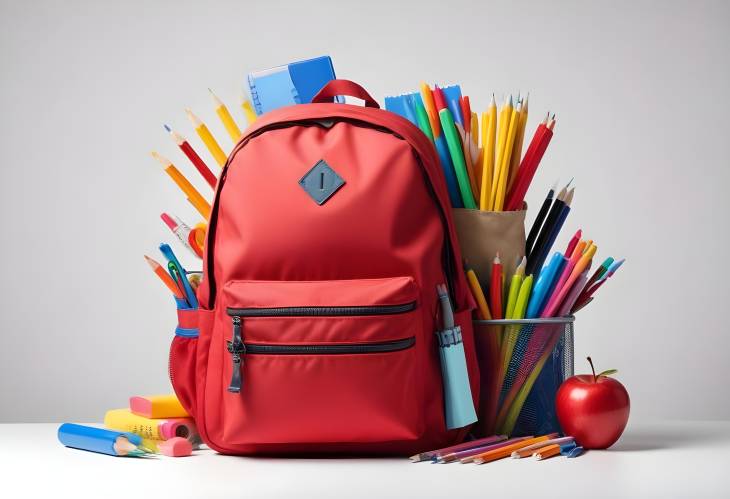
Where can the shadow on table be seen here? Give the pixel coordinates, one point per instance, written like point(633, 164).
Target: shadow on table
point(664, 437)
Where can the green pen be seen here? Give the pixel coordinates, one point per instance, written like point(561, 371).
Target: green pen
point(422, 119)
point(454, 143)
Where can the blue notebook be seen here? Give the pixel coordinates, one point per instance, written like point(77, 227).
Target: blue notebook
point(294, 83)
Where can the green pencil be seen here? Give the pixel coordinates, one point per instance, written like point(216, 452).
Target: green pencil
point(454, 143)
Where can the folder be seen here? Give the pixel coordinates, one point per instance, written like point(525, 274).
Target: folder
point(294, 83)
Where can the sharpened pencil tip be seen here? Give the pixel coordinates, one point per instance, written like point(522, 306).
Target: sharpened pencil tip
point(167, 128)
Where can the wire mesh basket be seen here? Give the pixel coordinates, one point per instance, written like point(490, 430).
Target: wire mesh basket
point(522, 364)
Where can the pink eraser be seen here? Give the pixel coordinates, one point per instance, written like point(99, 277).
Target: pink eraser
point(176, 447)
point(140, 406)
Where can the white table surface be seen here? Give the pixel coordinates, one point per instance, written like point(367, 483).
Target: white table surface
point(663, 459)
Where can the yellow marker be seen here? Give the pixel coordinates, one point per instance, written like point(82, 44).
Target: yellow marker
point(248, 110)
point(501, 186)
point(476, 290)
point(157, 407)
point(510, 337)
point(514, 288)
point(195, 198)
point(222, 111)
point(207, 138)
point(430, 105)
point(489, 129)
point(517, 148)
point(502, 128)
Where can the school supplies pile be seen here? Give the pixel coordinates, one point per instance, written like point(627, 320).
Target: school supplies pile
point(151, 425)
point(533, 292)
point(160, 420)
point(482, 161)
point(488, 449)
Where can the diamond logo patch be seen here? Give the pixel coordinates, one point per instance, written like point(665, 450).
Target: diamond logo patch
point(321, 182)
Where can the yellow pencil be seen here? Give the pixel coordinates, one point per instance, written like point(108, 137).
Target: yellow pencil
point(519, 140)
point(502, 128)
point(207, 138)
point(489, 129)
point(222, 111)
point(501, 189)
point(195, 198)
point(474, 129)
point(248, 110)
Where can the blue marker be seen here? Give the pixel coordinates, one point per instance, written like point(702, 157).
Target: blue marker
point(189, 293)
point(543, 285)
point(113, 443)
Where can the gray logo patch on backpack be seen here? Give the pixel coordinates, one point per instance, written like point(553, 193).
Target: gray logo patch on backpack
point(321, 182)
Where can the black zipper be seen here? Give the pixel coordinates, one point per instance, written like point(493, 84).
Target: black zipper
point(322, 311)
point(358, 348)
point(447, 253)
point(238, 349)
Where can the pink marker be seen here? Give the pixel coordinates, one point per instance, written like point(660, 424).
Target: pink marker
point(551, 305)
point(179, 228)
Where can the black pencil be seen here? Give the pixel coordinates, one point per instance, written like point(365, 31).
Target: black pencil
point(535, 229)
point(543, 251)
point(545, 231)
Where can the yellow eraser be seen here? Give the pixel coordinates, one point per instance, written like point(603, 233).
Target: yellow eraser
point(157, 407)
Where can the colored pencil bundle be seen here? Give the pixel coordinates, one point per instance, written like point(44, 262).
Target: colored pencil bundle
point(558, 289)
point(486, 450)
point(180, 283)
point(482, 161)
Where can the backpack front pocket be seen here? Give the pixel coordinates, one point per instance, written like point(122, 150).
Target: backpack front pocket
point(323, 361)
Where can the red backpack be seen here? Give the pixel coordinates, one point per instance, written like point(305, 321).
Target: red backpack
point(330, 229)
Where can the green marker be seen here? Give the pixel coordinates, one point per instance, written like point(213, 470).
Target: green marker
point(452, 139)
point(422, 119)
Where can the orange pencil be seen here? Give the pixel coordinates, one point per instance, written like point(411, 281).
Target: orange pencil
point(476, 291)
point(506, 451)
point(165, 277)
point(546, 452)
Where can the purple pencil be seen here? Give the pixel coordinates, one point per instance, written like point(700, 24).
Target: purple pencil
point(454, 456)
point(472, 444)
point(573, 294)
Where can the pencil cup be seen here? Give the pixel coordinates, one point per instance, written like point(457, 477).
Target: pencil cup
point(483, 234)
point(522, 363)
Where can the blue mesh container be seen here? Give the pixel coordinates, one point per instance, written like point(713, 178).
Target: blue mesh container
point(522, 364)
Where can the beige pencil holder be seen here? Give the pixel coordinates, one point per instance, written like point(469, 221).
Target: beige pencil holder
point(484, 233)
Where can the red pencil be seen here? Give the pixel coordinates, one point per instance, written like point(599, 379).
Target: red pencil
point(529, 164)
point(573, 243)
point(465, 112)
point(196, 160)
point(439, 99)
point(495, 290)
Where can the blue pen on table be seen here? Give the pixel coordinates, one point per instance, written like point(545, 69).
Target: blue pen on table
point(189, 293)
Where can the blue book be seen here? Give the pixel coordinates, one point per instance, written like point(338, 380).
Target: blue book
point(294, 83)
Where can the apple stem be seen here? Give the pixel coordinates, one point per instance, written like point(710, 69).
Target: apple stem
point(592, 369)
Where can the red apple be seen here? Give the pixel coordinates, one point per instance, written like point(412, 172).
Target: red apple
point(594, 409)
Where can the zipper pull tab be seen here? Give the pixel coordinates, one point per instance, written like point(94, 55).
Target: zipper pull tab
point(237, 349)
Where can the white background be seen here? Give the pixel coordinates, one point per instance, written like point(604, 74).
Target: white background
point(639, 89)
